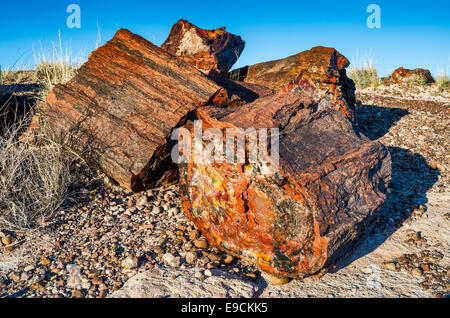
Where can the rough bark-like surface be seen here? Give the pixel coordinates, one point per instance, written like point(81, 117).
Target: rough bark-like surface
point(123, 102)
point(304, 216)
point(161, 169)
point(211, 51)
point(402, 74)
point(318, 72)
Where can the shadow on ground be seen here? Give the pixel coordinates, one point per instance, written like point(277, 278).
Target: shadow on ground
point(412, 177)
point(16, 100)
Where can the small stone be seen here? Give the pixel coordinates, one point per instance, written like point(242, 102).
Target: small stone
point(171, 260)
point(390, 266)
point(14, 276)
point(208, 273)
point(213, 257)
point(191, 257)
point(130, 262)
point(228, 260)
point(97, 281)
point(7, 240)
point(28, 268)
point(425, 267)
point(273, 280)
point(194, 235)
point(45, 261)
point(201, 243)
point(156, 210)
point(142, 201)
point(416, 272)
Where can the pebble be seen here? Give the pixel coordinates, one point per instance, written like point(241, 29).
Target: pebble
point(191, 257)
point(201, 243)
point(171, 260)
point(130, 262)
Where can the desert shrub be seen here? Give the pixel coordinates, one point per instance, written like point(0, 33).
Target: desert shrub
point(416, 79)
point(365, 76)
point(34, 177)
point(55, 66)
point(442, 82)
point(55, 72)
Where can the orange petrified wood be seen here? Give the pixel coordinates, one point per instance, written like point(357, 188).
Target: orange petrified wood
point(303, 216)
point(213, 52)
point(123, 102)
point(319, 72)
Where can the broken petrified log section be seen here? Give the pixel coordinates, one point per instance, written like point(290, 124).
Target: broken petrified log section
point(123, 104)
point(303, 217)
point(319, 72)
point(124, 101)
point(213, 52)
point(402, 74)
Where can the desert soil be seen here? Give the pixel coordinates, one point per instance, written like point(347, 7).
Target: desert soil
point(127, 244)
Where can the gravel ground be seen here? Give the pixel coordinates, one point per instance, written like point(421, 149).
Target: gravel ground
point(102, 236)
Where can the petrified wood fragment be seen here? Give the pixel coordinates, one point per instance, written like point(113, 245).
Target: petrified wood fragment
point(123, 102)
point(211, 51)
point(302, 217)
point(402, 74)
point(319, 72)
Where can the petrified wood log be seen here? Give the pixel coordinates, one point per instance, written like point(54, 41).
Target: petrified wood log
point(123, 102)
point(302, 217)
point(119, 108)
point(319, 72)
point(211, 51)
point(402, 74)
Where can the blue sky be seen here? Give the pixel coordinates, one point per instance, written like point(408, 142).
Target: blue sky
point(413, 33)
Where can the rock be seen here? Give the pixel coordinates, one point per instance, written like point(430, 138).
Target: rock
point(402, 74)
point(171, 260)
point(191, 257)
point(158, 283)
point(130, 262)
point(416, 272)
point(201, 243)
point(295, 219)
point(390, 266)
point(6, 239)
point(45, 261)
point(118, 109)
point(318, 72)
point(273, 280)
point(142, 201)
point(228, 260)
point(194, 235)
point(210, 51)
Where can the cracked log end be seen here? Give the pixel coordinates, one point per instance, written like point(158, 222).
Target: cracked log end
point(295, 221)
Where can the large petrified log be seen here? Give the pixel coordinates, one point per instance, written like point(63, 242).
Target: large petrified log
point(119, 108)
point(211, 51)
point(319, 72)
point(297, 219)
point(123, 102)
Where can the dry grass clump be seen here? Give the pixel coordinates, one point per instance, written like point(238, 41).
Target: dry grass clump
point(442, 83)
point(416, 79)
point(34, 177)
point(55, 66)
point(365, 76)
